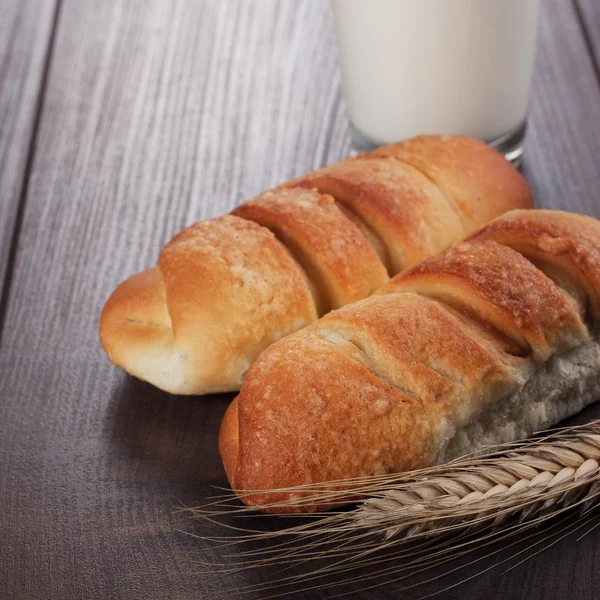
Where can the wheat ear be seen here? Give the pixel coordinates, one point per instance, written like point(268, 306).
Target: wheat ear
point(537, 480)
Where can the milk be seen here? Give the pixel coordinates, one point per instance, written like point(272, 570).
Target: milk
point(436, 66)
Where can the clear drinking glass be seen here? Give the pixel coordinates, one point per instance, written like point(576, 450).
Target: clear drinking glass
point(437, 66)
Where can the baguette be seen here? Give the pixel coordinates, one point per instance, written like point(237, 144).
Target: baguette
point(484, 343)
point(225, 289)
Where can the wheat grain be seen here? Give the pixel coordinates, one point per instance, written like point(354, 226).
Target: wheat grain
point(541, 480)
point(429, 517)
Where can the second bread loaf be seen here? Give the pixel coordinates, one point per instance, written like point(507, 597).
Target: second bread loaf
point(225, 289)
point(492, 339)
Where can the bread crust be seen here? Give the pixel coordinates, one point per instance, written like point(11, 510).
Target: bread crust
point(477, 180)
point(343, 265)
point(471, 337)
point(135, 328)
point(567, 249)
point(395, 200)
point(503, 289)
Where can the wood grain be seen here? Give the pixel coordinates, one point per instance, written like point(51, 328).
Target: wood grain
point(155, 115)
point(589, 14)
point(25, 32)
point(561, 149)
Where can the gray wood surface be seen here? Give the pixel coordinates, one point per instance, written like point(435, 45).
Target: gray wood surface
point(561, 151)
point(155, 115)
point(25, 30)
point(589, 13)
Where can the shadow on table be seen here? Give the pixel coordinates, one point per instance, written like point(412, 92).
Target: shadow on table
point(166, 442)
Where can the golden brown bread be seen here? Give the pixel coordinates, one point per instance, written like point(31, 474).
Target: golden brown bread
point(572, 261)
point(459, 170)
point(475, 345)
point(339, 262)
point(175, 323)
point(226, 288)
point(370, 188)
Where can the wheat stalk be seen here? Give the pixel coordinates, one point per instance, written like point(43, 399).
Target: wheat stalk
point(423, 519)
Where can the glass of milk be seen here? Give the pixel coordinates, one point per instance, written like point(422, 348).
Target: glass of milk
point(437, 66)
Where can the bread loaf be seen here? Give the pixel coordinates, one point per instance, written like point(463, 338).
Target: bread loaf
point(225, 289)
point(484, 343)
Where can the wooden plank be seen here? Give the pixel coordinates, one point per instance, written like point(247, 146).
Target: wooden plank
point(158, 114)
point(563, 139)
point(25, 32)
point(589, 14)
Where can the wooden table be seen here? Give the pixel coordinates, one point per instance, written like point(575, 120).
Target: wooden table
point(120, 123)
